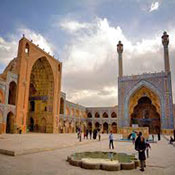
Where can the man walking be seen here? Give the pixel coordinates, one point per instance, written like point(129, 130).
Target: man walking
point(111, 139)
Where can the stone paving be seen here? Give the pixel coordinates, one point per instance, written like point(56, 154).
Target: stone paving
point(53, 162)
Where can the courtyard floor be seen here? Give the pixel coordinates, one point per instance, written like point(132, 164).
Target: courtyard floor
point(45, 154)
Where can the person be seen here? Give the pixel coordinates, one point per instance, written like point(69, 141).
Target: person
point(148, 146)
point(137, 140)
point(85, 136)
point(141, 150)
point(99, 135)
point(90, 133)
point(94, 134)
point(87, 132)
point(80, 135)
point(133, 137)
point(158, 135)
point(153, 137)
point(111, 139)
point(171, 140)
point(129, 136)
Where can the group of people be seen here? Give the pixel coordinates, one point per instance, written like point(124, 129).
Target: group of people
point(88, 133)
point(141, 145)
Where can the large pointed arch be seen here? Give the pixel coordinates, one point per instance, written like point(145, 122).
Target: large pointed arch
point(137, 87)
point(41, 91)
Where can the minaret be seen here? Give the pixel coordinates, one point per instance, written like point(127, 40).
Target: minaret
point(165, 42)
point(120, 51)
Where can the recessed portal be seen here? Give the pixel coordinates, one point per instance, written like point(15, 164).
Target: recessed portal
point(145, 115)
point(10, 123)
point(41, 97)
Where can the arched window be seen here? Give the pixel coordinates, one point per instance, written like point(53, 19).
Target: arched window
point(10, 123)
point(32, 106)
point(89, 115)
point(105, 127)
point(113, 115)
point(97, 115)
point(12, 93)
point(90, 125)
point(114, 127)
point(105, 115)
point(27, 49)
point(43, 125)
point(97, 125)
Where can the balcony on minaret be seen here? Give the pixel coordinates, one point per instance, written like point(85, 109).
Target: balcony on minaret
point(119, 47)
point(165, 39)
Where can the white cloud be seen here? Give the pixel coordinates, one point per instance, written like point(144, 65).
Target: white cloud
point(8, 48)
point(154, 6)
point(73, 26)
point(37, 39)
point(90, 64)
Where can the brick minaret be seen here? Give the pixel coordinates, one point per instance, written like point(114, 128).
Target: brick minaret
point(120, 51)
point(165, 42)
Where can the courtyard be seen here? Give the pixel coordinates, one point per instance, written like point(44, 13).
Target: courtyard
point(46, 154)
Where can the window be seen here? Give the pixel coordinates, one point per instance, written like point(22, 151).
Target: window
point(27, 49)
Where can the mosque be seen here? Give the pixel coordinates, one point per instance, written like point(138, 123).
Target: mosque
point(31, 99)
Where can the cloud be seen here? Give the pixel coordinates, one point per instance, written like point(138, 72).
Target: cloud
point(73, 26)
point(90, 62)
point(8, 47)
point(8, 50)
point(37, 39)
point(154, 6)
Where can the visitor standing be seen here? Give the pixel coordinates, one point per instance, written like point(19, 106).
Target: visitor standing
point(99, 135)
point(85, 136)
point(111, 140)
point(90, 133)
point(148, 146)
point(158, 135)
point(133, 137)
point(87, 132)
point(171, 140)
point(80, 135)
point(94, 134)
point(141, 150)
point(138, 140)
point(78, 132)
point(153, 137)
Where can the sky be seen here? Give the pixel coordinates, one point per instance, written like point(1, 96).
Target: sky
point(83, 35)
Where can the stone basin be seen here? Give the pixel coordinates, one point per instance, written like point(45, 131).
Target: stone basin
point(101, 161)
point(109, 161)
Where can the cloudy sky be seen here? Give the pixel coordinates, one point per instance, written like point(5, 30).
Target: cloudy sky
point(83, 35)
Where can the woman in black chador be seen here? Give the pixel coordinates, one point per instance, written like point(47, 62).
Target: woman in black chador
point(141, 150)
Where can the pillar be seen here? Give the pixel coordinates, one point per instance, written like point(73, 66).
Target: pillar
point(165, 42)
point(120, 51)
